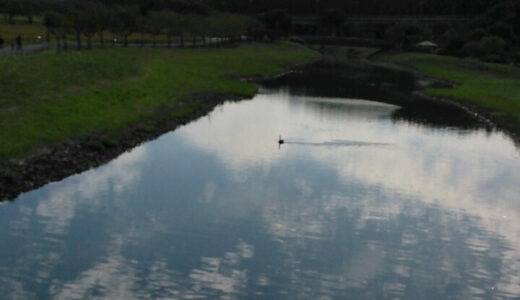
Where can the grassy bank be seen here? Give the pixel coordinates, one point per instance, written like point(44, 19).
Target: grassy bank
point(48, 98)
point(493, 87)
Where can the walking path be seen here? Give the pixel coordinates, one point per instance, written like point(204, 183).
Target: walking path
point(37, 48)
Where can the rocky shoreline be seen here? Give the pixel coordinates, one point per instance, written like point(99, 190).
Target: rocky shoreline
point(54, 163)
point(423, 82)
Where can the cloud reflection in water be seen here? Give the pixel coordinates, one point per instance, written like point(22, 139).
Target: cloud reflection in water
point(471, 177)
point(374, 209)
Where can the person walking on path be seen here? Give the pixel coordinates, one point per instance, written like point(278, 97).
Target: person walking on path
point(1, 43)
point(19, 42)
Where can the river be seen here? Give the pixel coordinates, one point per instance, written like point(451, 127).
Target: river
point(367, 198)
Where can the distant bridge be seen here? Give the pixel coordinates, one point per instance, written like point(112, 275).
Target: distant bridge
point(375, 26)
point(313, 21)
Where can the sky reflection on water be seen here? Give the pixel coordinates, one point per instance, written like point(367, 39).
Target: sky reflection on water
point(355, 204)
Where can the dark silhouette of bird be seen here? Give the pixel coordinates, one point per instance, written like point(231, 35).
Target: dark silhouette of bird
point(280, 140)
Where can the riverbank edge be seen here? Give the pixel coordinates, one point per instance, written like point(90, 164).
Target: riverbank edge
point(76, 155)
point(424, 81)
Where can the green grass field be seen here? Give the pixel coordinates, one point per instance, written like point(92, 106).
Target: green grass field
point(494, 87)
point(48, 98)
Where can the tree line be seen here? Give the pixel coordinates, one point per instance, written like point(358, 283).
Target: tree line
point(491, 36)
point(94, 18)
point(27, 8)
point(358, 7)
point(292, 7)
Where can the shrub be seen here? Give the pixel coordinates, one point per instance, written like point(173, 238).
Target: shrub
point(472, 49)
point(516, 55)
point(332, 20)
point(404, 34)
point(492, 45)
point(452, 42)
point(481, 22)
point(478, 34)
point(502, 30)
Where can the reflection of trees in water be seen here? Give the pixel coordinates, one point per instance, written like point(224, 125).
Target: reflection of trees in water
point(344, 108)
point(436, 115)
point(354, 80)
point(342, 224)
point(363, 81)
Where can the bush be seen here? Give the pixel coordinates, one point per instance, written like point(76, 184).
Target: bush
point(472, 49)
point(499, 11)
point(395, 35)
point(515, 56)
point(404, 34)
point(490, 48)
point(502, 30)
point(516, 21)
point(478, 34)
point(481, 22)
point(492, 45)
point(277, 23)
point(452, 42)
point(332, 20)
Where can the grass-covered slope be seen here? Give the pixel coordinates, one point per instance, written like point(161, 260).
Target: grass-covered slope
point(48, 98)
point(493, 87)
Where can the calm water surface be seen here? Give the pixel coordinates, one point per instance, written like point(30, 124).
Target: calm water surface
point(359, 202)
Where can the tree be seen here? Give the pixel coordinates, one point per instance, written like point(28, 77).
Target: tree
point(25, 8)
point(503, 30)
point(124, 22)
point(405, 34)
point(176, 27)
point(218, 28)
point(32, 7)
point(155, 23)
point(452, 42)
point(236, 25)
point(517, 19)
point(142, 24)
point(53, 22)
point(396, 35)
point(194, 27)
point(79, 21)
point(332, 20)
point(84, 15)
point(92, 26)
point(255, 29)
point(492, 45)
point(277, 22)
point(227, 26)
point(58, 24)
point(103, 22)
point(115, 25)
point(12, 8)
point(169, 24)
